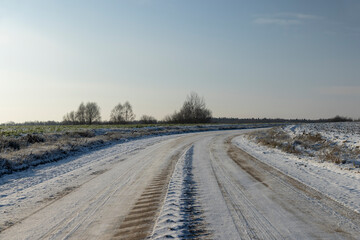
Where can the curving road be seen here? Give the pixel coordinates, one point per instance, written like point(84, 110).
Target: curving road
point(188, 186)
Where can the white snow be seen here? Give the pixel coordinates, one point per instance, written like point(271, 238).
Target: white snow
point(227, 202)
point(22, 193)
point(170, 224)
point(331, 179)
point(345, 134)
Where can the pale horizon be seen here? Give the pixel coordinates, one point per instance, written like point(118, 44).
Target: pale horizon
point(282, 59)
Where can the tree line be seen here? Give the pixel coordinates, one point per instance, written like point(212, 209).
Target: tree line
point(89, 113)
point(194, 110)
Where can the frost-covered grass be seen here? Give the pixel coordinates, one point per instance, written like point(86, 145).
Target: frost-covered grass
point(331, 142)
point(14, 138)
point(25, 146)
point(20, 130)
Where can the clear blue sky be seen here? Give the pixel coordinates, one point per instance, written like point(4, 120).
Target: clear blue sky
point(290, 59)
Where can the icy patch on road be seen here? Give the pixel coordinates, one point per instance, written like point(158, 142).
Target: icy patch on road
point(181, 215)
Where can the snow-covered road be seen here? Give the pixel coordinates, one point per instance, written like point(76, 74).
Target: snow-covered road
point(197, 185)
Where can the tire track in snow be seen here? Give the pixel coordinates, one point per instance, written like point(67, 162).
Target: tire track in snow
point(97, 200)
point(140, 220)
point(249, 221)
point(181, 216)
point(34, 187)
point(304, 202)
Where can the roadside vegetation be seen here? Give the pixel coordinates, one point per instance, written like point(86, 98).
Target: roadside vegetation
point(314, 140)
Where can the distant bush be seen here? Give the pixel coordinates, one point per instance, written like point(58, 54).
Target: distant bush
point(13, 144)
point(31, 138)
point(81, 134)
point(145, 119)
point(340, 119)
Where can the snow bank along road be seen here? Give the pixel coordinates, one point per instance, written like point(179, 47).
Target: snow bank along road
point(197, 185)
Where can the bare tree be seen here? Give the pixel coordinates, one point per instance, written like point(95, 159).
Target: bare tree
point(80, 114)
point(117, 114)
point(70, 118)
point(193, 111)
point(92, 113)
point(168, 118)
point(122, 113)
point(145, 119)
point(128, 112)
point(66, 118)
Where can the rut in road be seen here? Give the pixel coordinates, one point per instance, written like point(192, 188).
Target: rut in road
point(182, 216)
point(193, 225)
point(259, 169)
point(249, 221)
point(306, 205)
point(139, 222)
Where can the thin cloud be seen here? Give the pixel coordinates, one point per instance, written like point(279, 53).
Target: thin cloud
point(299, 16)
point(276, 21)
point(285, 19)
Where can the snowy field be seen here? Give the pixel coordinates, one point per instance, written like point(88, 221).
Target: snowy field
point(345, 135)
point(305, 159)
point(326, 142)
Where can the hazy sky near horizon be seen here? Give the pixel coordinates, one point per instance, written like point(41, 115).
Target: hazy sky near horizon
point(280, 58)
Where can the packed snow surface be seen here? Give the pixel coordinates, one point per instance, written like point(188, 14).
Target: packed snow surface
point(22, 192)
point(334, 180)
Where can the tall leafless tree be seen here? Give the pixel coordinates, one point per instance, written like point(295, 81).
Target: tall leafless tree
point(92, 113)
point(117, 114)
point(122, 113)
point(80, 114)
point(70, 118)
point(128, 112)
